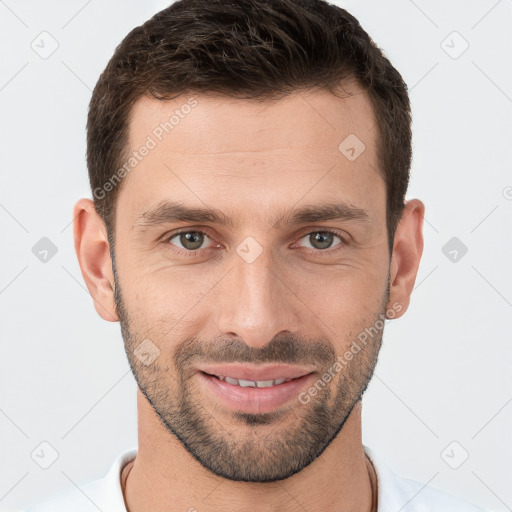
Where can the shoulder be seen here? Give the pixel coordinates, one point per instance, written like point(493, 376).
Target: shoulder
point(102, 494)
point(398, 493)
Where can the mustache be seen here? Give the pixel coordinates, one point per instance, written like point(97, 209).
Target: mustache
point(285, 349)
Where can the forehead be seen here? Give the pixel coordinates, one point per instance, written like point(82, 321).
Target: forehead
point(245, 154)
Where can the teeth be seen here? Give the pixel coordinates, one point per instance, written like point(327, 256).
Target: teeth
point(267, 383)
point(253, 383)
point(246, 383)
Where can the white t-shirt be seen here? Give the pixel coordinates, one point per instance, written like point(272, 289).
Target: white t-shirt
point(395, 493)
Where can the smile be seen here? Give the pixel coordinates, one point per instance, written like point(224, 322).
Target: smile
point(252, 383)
point(254, 396)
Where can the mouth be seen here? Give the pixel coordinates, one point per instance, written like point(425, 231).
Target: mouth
point(256, 396)
point(257, 373)
point(253, 383)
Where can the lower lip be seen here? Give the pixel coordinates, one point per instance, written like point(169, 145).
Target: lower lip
point(255, 400)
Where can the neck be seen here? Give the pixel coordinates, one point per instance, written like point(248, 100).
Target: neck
point(165, 475)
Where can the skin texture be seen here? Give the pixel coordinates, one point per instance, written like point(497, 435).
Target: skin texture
point(298, 302)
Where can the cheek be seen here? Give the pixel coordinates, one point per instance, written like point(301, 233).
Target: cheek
point(164, 302)
point(174, 301)
point(344, 303)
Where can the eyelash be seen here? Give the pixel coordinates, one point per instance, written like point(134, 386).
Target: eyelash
point(193, 253)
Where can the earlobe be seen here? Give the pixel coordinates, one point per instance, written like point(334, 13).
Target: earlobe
point(93, 253)
point(407, 251)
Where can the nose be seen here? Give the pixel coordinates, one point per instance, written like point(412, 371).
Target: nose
point(257, 301)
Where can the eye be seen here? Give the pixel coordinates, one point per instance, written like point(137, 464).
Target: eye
point(191, 242)
point(322, 240)
point(188, 240)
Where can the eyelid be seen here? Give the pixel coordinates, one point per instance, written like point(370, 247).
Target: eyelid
point(203, 230)
point(341, 235)
point(166, 238)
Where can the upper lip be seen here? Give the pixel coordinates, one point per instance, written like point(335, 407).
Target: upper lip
point(256, 372)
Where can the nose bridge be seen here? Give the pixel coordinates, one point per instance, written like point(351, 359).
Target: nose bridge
point(257, 304)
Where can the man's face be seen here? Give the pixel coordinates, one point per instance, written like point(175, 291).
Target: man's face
point(245, 288)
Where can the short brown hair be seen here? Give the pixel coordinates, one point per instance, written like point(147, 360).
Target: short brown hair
point(258, 49)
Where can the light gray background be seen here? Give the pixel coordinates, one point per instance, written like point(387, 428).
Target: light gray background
point(444, 372)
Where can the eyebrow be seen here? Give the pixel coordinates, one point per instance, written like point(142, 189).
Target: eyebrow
point(174, 211)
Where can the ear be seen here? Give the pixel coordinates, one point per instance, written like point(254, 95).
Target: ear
point(93, 253)
point(407, 251)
